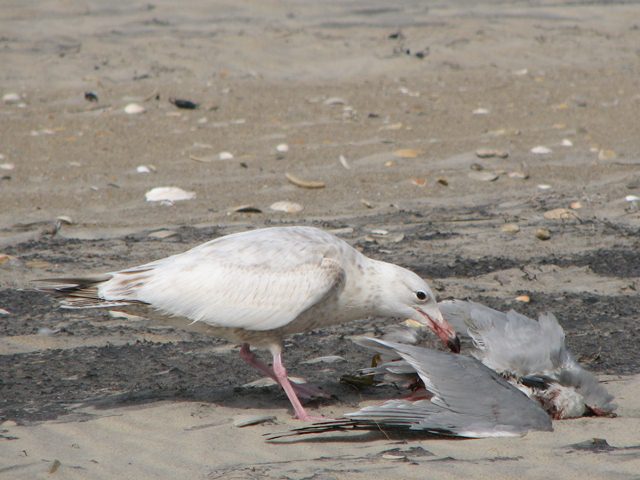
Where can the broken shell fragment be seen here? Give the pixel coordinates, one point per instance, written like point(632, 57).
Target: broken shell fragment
point(510, 228)
point(344, 162)
point(559, 214)
point(169, 194)
point(606, 155)
point(299, 182)
point(285, 206)
point(543, 234)
point(407, 153)
point(225, 156)
point(483, 176)
point(523, 298)
point(246, 209)
point(134, 109)
point(490, 153)
point(248, 420)
point(282, 148)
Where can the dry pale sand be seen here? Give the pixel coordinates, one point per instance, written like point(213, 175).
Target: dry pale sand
point(406, 94)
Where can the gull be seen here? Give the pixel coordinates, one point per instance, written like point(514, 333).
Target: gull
point(257, 287)
point(462, 398)
point(533, 356)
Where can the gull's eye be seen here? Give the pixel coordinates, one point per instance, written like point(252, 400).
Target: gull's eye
point(420, 295)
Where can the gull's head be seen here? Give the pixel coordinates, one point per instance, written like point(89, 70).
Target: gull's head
point(407, 295)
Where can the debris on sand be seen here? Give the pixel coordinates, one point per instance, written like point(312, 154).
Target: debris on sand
point(299, 182)
point(287, 207)
point(407, 153)
point(510, 228)
point(543, 234)
point(168, 194)
point(185, 104)
point(483, 176)
point(491, 153)
point(134, 109)
point(541, 150)
point(246, 209)
point(560, 214)
point(248, 420)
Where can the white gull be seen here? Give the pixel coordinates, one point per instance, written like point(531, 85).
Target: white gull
point(256, 287)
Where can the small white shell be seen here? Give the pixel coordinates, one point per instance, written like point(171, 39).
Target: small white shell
point(481, 111)
point(541, 150)
point(566, 142)
point(225, 156)
point(170, 194)
point(632, 198)
point(288, 207)
point(133, 109)
point(143, 169)
point(282, 148)
point(11, 98)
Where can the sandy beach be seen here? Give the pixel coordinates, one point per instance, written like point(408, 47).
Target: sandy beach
point(491, 147)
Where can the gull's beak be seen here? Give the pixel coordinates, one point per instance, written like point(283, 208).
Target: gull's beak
point(432, 318)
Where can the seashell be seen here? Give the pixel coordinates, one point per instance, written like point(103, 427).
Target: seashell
point(246, 209)
point(490, 153)
point(566, 142)
point(523, 298)
point(7, 166)
point(483, 175)
point(419, 182)
point(541, 150)
point(544, 186)
point(510, 228)
point(520, 175)
point(326, 359)
point(304, 183)
point(11, 98)
point(407, 153)
point(169, 194)
point(225, 156)
point(481, 111)
point(335, 101)
point(162, 234)
point(543, 234)
point(344, 162)
point(632, 198)
point(134, 109)
point(248, 420)
point(143, 169)
point(285, 206)
point(559, 214)
point(607, 155)
point(282, 148)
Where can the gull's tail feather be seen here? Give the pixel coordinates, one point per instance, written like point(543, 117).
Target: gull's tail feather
point(79, 292)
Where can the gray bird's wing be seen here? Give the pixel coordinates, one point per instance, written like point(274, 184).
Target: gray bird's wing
point(469, 399)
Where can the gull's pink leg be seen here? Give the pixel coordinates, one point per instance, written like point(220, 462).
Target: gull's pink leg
point(283, 380)
point(248, 356)
point(305, 391)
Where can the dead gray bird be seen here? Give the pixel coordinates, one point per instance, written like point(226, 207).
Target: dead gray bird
point(533, 356)
point(462, 398)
